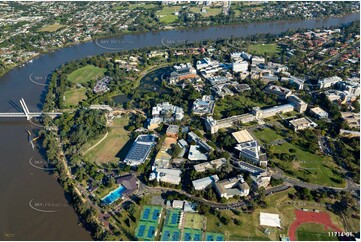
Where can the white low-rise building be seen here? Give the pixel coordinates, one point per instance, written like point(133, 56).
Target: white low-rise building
point(201, 184)
point(231, 187)
point(239, 66)
point(328, 82)
point(319, 113)
point(195, 154)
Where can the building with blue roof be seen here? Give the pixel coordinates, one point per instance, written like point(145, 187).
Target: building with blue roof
point(140, 149)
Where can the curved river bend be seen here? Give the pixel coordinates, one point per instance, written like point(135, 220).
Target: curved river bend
point(22, 186)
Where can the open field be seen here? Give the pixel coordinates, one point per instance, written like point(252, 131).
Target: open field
point(74, 96)
point(109, 148)
point(266, 135)
point(51, 28)
point(193, 221)
point(166, 15)
point(261, 49)
point(86, 74)
point(313, 232)
point(250, 227)
point(311, 167)
point(209, 11)
point(278, 203)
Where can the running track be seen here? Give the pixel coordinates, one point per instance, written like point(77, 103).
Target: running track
point(310, 217)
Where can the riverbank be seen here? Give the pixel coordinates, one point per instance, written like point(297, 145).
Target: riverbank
point(165, 28)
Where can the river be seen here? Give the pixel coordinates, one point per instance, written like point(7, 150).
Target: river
point(32, 204)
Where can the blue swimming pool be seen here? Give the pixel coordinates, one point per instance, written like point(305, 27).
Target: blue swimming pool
point(114, 195)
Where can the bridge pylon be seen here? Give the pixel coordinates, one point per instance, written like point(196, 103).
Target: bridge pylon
point(25, 108)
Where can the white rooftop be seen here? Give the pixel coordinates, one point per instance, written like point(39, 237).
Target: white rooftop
point(270, 219)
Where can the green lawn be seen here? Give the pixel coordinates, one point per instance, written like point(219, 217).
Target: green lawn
point(86, 74)
point(312, 167)
point(210, 11)
point(313, 232)
point(249, 228)
point(74, 96)
point(262, 49)
point(167, 15)
point(267, 135)
point(234, 105)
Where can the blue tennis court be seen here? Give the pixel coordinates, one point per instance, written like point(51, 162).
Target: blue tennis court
point(187, 236)
point(174, 218)
point(146, 214)
point(141, 231)
point(210, 238)
point(176, 236)
point(166, 235)
point(151, 231)
point(219, 238)
point(156, 213)
point(197, 237)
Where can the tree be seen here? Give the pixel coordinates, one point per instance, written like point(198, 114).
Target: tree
point(175, 150)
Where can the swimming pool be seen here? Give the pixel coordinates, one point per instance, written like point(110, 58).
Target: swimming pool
point(114, 195)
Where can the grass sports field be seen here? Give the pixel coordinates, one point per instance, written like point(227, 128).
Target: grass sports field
point(313, 232)
point(209, 11)
point(166, 15)
point(51, 28)
point(86, 74)
point(310, 225)
point(193, 221)
point(261, 49)
point(74, 96)
point(108, 149)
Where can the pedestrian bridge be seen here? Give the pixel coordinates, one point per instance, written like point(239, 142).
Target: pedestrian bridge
point(27, 114)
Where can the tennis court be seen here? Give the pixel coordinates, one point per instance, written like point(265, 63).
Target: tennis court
point(214, 236)
point(146, 230)
point(170, 234)
point(141, 230)
point(151, 213)
point(192, 235)
point(172, 218)
point(156, 213)
point(146, 213)
point(193, 221)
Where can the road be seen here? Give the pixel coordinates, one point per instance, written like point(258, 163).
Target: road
point(198, 199)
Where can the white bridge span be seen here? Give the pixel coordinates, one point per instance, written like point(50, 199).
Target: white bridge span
point(26, 113)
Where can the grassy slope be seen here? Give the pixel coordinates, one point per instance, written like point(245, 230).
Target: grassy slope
point(116, 139)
